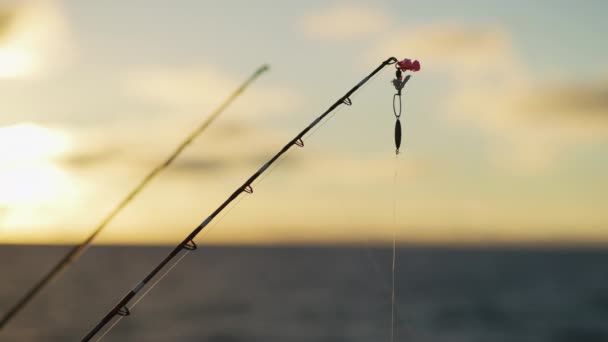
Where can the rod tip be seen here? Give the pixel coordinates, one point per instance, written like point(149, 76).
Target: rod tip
point(264, 68)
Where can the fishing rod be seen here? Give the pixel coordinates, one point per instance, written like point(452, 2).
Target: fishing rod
point(121, 309)
point(77, 250)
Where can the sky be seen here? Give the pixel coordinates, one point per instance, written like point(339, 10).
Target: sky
point(505, 126)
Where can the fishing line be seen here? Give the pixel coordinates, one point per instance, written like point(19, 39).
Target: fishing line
point(121, 308)
point(109, 328)
point(395, 191)
point(321, 124)
point(399, 82)
point(394, 223)
point(159, 279)
point(219, 220)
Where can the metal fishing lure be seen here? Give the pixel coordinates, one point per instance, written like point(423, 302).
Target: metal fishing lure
point(399, 82)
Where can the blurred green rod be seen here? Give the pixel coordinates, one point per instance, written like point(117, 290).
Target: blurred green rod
point(77, 250)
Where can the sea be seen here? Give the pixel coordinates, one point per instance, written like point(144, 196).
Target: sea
point(327, 294)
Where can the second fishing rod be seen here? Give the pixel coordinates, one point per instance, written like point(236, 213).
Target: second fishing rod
point(74, 253)
point(122, 308)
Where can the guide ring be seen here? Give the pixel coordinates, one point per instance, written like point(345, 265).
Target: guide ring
point(190, 245)
point(124, 312)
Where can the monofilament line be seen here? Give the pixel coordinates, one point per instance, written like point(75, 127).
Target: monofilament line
point(394, 249)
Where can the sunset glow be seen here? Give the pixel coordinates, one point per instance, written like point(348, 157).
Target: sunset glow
point(27, 175)
point(505, 130)
point(15, 63)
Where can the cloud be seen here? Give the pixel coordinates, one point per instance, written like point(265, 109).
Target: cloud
point(531, 124)
point(344, 22)
point(34, 38)
point(225, 146)
point(578, 103)
point(201, 87)
point(450, 47)
point(87, 159)
point(201, 164)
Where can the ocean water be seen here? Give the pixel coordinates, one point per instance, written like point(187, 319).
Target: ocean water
point(231, 294)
